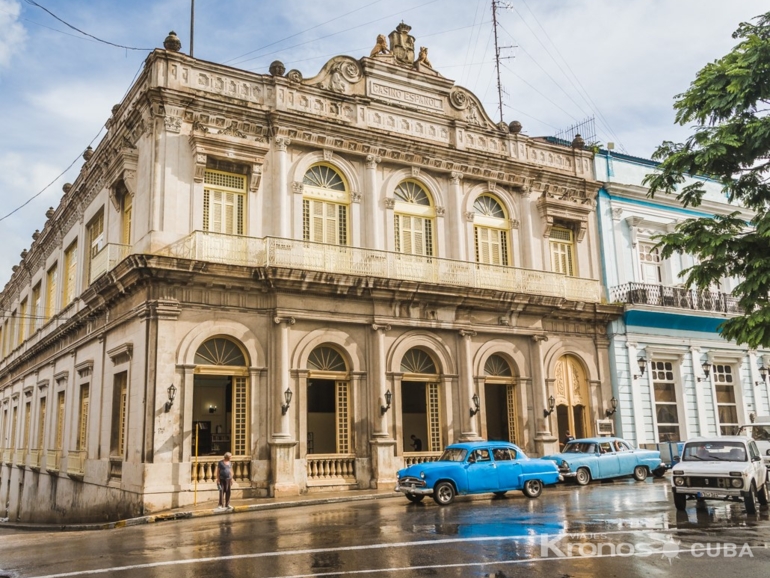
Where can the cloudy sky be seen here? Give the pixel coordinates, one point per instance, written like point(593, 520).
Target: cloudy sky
point(619, 61)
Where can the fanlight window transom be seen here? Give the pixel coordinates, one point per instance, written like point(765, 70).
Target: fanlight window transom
point(220, 351)
point(496, 366)
point(411, 192)
point(487, 206)
point(326, 359)
point(417, 361)
point(324, 177)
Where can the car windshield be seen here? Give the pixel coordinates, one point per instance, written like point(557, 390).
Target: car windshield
point(453, 455)
point(714, 452)
point(760, 433)
point(580, 448)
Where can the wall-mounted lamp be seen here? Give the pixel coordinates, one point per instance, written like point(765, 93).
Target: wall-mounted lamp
point(762, 374)
point(551, 407)
point(706, 367)
point(614, 404)
point(212, 409)
point(642, 363)
point(476, 404)
point(388, 399)
point(171, 395)
point(287, 398)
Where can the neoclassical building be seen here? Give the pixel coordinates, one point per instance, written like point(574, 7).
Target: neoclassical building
point(304, 272)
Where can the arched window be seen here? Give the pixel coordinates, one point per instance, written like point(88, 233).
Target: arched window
point(328, 405)
point(417, 361)
point(414, 215)
point(326, 359)
point(496, 366)
point(325, 204)
point(219, 351)
point(490, 231)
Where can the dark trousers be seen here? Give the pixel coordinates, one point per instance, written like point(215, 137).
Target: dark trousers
point(224, 491)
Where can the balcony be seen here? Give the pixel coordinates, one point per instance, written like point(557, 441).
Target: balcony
point(290, 253)
point(76, 463)
point(6, 456)
point(18, 458)
point(106, 259)
point(677, 297)
point(53, 461)
point(35, 459)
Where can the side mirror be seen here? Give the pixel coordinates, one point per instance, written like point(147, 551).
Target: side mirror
point(756, 459)
point(677, 459)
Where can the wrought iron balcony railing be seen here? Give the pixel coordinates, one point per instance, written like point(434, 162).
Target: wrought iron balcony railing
point(297, 254)
point(678, 297)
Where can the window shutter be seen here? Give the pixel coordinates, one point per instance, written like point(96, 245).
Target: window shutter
point(317, 227)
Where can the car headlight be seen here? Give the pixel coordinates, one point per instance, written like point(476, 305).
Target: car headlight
point(737, 474)
point(422, 475)
point(737, 483)
point(679, 481)
point(678, 472)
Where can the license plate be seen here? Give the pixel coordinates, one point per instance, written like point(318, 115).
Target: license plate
point(709, 495)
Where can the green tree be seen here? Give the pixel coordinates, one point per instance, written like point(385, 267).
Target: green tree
point(728, 104)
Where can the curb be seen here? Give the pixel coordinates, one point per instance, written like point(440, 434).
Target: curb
point(189, 514)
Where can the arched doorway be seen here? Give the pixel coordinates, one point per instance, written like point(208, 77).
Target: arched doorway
point(330, 453)
point(220, 400)
point(571, 394)
point(499, 400)
point(420, 407)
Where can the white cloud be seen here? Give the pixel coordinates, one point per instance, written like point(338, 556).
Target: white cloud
point(12, 32)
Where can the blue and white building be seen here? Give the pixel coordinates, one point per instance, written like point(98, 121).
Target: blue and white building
point(673, 376)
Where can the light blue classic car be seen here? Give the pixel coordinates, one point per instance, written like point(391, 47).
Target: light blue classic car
point(603, 458)
point(477, 468)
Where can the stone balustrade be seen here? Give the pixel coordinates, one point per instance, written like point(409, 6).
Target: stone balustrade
point(331, 469)
point(412, 458)
point(203, 469)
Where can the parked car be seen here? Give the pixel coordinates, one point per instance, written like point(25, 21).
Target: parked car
point(759, 431)
point(721, 468)
point(603, 458)
point(476, 468)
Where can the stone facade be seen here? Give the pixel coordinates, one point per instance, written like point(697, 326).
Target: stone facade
point(320, 267)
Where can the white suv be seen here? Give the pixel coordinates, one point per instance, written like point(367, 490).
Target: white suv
point(722, 468)
point(759, 431)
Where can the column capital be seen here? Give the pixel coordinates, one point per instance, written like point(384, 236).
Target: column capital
point(381, 327)
point(467, 333)
point(372, 161)
point(455, 177)
point(281, 143)
point(288, 320)
point(539, 338)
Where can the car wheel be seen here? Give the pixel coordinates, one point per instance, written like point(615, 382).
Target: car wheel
point(415, 498)
point(750, 500)
point(443, 493)
point(582, 476)
point(532, 488)
point(499, 494)
point(640, 473)
point(680, 502)
point(762, 495)
point(659, 472)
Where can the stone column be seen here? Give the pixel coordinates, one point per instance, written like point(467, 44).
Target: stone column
point(525, 219)
point(458, 243)
point(375, 238)
point(282, 197)
point(282, 445)
point(467, 422)
point(545, 441)
point(382, 444)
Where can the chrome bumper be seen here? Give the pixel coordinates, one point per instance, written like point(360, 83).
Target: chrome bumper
point(414, 490)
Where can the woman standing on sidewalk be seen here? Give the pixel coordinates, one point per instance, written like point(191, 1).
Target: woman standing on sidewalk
point(224, 476)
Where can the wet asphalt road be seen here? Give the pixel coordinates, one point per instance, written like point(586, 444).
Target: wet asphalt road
point(624, 529)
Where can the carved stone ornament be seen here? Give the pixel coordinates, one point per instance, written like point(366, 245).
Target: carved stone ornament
point(472, 115)
point(469, 216)
point(459, 99)
point(256, 178)
point(294, 75)
point(232, 130)
point(513, 223)
point(415, 172)
point(371, 161)
point(173, 123)
point(617, 213)
point(422, 58)
point(276, 68)
point(402, 45)
point(440, 211)
point(390, 203)
point(172, 42)
point(515, 127)
point(88, 153)
point(328, 155)
point(381, 47)
point(356, 197)
point(455, 177)
point(50, 213)
point(297, 187)
point(282, 143)
point(200, 167)
point(502, 127)
point(66, 188)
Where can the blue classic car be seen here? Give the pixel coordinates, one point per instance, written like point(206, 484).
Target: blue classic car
point(476, 468)
point(603, 458)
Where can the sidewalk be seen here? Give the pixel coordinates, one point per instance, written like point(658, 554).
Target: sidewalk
point(209, 509)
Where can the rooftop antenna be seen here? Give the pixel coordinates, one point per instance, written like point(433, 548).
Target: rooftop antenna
point(192, 25)
point(498, 48)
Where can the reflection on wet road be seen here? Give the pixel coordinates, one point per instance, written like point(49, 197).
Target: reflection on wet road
point(626, 528)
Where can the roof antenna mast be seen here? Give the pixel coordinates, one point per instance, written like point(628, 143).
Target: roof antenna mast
point(498, 48)
point(192, 25)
